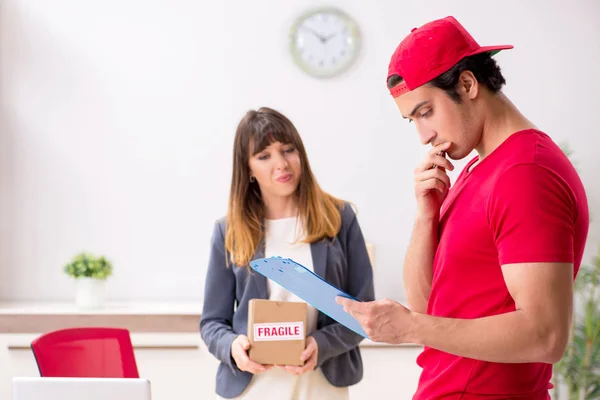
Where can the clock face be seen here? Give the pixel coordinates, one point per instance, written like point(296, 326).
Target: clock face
point(324, 42)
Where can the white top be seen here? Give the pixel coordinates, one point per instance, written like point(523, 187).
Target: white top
point(282, 238)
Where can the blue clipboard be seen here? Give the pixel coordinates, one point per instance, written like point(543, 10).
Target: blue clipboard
point(309, 286)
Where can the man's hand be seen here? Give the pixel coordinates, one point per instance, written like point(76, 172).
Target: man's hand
point(309, 356)
point(239, 352)
point(383, 320)
point(431, 181)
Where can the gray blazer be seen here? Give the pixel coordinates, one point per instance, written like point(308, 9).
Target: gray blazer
point(343, 262)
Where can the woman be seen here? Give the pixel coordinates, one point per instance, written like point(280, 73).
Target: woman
point(276, 207)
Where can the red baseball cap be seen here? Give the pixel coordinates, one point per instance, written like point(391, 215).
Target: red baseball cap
point(431, 50)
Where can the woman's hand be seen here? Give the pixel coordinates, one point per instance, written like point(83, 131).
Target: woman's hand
point(239, 353)
point(309, 356)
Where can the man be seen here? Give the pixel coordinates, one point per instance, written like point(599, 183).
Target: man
point(490, 266)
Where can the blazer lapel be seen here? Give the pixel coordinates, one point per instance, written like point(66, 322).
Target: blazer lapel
point(259, 279)
point(319, 257)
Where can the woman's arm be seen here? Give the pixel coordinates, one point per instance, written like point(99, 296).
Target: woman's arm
point(219, 297)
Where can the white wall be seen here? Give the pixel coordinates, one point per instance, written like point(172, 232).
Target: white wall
point(117, 121)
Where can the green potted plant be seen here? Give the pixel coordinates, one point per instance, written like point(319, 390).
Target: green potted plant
point(90, 273)
point(579, 370)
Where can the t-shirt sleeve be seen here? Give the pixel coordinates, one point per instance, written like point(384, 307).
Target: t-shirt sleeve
point(532, 213)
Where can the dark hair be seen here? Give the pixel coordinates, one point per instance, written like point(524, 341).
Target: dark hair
point(483, 66)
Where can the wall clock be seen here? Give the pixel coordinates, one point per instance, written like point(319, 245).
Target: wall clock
point(324, 42)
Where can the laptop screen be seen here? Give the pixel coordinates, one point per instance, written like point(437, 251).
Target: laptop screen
point(37, 388)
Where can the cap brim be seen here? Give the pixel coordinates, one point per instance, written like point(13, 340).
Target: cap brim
point(493, 50)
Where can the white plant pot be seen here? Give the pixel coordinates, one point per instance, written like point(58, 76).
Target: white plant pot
point(89, 292)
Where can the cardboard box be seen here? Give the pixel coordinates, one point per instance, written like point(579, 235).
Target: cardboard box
point(277, 331)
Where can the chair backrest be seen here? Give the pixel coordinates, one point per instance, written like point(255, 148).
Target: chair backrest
point(85, 353)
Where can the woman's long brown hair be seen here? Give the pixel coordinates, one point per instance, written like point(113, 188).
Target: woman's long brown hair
point(319, 213)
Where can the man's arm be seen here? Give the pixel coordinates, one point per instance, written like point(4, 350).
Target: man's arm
point(538, 331)
point(431, 187)
point(418, 263)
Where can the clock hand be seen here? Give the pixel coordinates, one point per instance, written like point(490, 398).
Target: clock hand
point(321, 38)
point(327, 38)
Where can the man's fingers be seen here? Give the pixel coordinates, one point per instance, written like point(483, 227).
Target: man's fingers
point(442, 162)
point(360, 311)
point(434, 160)
point(432, 184)
point(432, 179)
point(342, 300)
point(439, 148)
point(350, 306)
point(345, 302)
point(433, 174)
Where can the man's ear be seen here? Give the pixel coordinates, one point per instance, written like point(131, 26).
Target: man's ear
point(468, 85)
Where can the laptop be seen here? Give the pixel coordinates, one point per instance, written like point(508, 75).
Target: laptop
point(80, 389)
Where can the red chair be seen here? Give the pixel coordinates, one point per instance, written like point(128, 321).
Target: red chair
point(85, 353)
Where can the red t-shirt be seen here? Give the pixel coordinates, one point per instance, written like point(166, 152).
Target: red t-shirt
point(522, 203)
